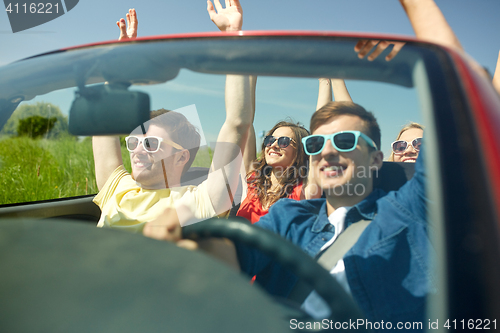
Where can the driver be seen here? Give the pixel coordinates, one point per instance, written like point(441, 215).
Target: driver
point(386, 271)
point(161, 150)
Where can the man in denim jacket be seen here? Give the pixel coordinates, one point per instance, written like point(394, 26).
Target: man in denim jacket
point(387, 270)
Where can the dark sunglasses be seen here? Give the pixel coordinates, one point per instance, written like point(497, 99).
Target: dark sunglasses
point(151, 144)
point(344, 141)
point(283, 141)
point(400, 146)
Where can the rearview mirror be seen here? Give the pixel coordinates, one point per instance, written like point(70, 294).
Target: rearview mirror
point(107, 109)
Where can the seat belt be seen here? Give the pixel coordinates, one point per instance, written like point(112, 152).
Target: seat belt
point(329, 258)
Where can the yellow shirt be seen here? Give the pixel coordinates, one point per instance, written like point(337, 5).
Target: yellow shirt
point(125, 205)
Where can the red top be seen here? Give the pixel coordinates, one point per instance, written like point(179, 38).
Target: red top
point(251, 208)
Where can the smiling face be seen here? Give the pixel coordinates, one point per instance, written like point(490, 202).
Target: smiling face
point(148, 169)
point(281, 157)
point(410, 154)
point(345, 177)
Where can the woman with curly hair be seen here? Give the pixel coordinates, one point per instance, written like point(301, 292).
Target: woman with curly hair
point(280, 171)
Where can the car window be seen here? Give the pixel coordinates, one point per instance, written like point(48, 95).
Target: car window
point(42, 160)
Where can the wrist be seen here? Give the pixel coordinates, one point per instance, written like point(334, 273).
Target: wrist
point(233, 28)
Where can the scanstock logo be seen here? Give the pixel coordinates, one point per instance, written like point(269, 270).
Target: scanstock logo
point(25, 15)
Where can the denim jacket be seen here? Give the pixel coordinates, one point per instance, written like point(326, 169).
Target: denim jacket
point(387, 269)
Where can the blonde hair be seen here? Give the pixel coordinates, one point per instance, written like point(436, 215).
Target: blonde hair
point(404, 129)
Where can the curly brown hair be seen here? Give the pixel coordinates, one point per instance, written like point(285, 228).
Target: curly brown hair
point(259, 179)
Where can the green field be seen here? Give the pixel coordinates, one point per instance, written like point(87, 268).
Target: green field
point(42, 169)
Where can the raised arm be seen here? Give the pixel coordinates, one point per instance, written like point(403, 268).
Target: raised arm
point(231, 19)
point(250, 152)
point(340, 93)
point(429, 23)
point(496, 76)
point(231, 142)
point(107, 152)
point(107, 157)
point(324, 93)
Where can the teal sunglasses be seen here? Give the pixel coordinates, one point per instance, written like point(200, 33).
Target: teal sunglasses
point(343, 141)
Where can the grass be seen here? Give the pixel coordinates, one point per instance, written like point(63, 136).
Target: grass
point(34, 170)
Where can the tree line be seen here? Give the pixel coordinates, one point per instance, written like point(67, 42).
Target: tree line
point(38, 120)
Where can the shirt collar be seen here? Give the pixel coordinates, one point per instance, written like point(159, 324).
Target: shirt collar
point(366, 209)
point(321, 219)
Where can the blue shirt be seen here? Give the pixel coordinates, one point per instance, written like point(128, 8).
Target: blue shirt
point(388, 268)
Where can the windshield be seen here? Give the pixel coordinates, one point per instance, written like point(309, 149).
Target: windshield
point(55, 163)
point(52, 105)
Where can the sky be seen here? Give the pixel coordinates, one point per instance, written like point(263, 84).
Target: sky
point(475, 23)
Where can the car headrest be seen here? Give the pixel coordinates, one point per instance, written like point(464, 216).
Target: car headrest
point(194, 176)
point(390, 177)
point(393, 175)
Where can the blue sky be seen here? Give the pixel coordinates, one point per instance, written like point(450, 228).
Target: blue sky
point(475, 23)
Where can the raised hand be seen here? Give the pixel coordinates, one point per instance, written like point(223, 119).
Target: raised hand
point(226, 19)
point(128, 30)
point(364, 46)
point(496, 76)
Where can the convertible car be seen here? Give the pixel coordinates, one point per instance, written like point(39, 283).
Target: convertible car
point(62, 274)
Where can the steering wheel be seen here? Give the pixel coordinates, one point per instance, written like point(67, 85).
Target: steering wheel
point(67, 276)
point(342, 306)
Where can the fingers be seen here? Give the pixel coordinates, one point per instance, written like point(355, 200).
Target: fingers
point(165, 227)
point(363, 47)
point(380, 48)
point(162, 231)
point(123, 29)
point(359, 45)
point(187, 244)
point(395, 50)
point(236, 3)
point(132, 23)
point(218, 6)
point(128, 29)
point(210, 9)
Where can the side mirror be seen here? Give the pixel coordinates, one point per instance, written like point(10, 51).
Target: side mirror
point(107, 109)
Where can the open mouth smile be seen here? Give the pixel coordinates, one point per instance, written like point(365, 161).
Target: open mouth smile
point(333, 170)
point(274, 153)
